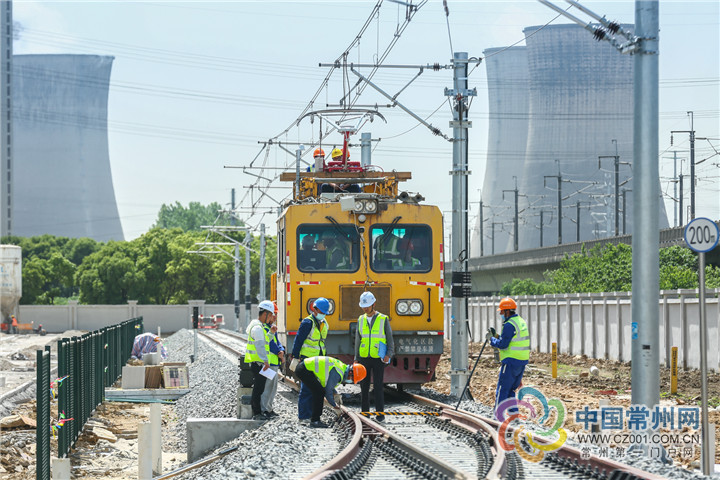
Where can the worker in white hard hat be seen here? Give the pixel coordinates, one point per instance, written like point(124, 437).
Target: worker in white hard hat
point(374, 347)
point(257, 354)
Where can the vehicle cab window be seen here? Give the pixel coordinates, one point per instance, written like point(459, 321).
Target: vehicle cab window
point(327, 248)
point(401, 248)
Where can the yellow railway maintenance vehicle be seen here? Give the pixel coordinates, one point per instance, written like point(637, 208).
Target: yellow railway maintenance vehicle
point(336, 244)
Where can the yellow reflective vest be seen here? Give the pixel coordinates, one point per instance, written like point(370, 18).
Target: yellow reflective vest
point(370, 339)
point(251, 354)
point(322, 366)
point(314, 343)
point(519, 347)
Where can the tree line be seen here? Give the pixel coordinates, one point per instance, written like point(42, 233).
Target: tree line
point(152, 269)
point(609, 269)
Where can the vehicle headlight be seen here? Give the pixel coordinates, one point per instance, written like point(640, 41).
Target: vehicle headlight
point(330, 311)
point(370, 206)
point(416, 307)
point(401, 307)
point(409, 306)
point(359, 206)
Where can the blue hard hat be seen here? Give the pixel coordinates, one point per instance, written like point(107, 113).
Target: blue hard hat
point(322, 304)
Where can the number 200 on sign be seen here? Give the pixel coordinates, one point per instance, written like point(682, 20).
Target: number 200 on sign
point(701, 235)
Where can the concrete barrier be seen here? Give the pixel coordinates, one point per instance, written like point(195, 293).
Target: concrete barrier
point(204, 434)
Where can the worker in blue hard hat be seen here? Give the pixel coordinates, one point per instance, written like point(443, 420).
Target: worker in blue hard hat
point(310, 342)
point(374, 347)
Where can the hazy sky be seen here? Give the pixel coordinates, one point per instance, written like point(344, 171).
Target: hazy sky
point(196, 85)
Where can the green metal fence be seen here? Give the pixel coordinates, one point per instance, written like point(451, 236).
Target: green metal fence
point(42, 431)
point(91, 362)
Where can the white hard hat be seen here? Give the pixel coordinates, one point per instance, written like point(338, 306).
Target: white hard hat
point(367, 299)
point(267, 305)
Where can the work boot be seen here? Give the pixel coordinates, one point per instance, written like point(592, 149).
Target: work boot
point(318, 424)
point(304, 421)
point(259, 416)
point(270, 414)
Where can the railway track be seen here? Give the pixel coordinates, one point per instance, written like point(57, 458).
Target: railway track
point(426, 439)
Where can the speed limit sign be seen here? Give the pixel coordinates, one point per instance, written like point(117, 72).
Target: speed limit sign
point(701, 235)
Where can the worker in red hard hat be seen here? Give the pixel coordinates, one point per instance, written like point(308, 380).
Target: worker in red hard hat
point(514, 347)
point(322, 374)
point(319, 159)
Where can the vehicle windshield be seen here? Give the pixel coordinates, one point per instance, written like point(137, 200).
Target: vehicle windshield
point(327, 248)
point(401, 248)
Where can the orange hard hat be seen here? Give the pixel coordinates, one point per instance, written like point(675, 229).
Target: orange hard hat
point(319, 152)
point(359, 372)
point(507, 303)
point(276, 309)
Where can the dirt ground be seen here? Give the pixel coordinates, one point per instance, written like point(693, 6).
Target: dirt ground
point(576, 387)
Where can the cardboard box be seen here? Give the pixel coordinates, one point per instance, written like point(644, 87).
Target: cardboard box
point(153, 376)
point(176, 376)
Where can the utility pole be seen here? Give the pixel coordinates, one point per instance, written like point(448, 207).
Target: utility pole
point(645, 340)
point(515, 227)
point(460, 276)
point(542, 225)
point(559, 201)
point(261, 293)
point(493, 235)
point(616, 159)
point(680, 200)
point(6, 129)
point(624, 208)
point(675, 191)
point(236, 262)
point(577, 221)
point(248, 312)
point(482, 221)
point(692, 162)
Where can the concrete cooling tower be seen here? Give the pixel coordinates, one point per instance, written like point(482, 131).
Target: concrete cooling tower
point(580, 100)
point(62, 180)
point(508, 96)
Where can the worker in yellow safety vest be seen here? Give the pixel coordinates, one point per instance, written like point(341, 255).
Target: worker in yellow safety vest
point(321, 375)
point(514, 348)
point(310, 342)
point(374, 347)
point(258, 355)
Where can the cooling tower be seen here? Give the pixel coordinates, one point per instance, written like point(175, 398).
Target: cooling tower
point(507, 77)
point(580, 100)
point(62, 179)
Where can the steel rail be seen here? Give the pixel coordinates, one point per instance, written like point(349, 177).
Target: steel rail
point(569, 456)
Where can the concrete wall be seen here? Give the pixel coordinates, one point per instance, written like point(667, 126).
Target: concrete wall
point(170, 318)
point(598, 324)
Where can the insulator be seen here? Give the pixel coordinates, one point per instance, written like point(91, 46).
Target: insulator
point(436, 66)
point(613, 27)
point(599, 34)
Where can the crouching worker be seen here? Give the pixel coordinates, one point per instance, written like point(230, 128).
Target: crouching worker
point(147, 343)
point(322, 374)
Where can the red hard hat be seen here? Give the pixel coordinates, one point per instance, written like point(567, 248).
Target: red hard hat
point(319, 153)
point(507, 303)
point(359, 372)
